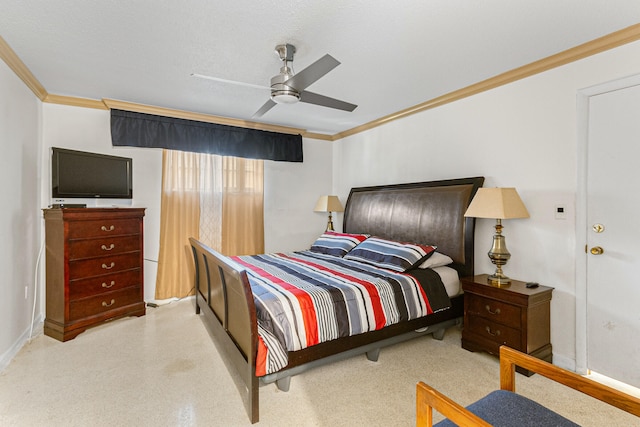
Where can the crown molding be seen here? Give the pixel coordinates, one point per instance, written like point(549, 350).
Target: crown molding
point(610, 41)
point(76, 102)
point(20, 69)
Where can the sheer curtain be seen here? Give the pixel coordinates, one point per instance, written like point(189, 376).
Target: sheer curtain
point(218, 200)
point(242, 207)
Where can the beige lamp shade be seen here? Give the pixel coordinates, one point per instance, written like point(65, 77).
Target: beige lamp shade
point(497, 203)
point(328, 204)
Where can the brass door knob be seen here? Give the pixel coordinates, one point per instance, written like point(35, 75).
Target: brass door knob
point(597, 250)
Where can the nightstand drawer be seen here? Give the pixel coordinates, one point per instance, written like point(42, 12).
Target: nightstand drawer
point(495, 332)
point(494, 310)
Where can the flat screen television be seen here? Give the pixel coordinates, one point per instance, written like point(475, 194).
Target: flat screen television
point(79, 174)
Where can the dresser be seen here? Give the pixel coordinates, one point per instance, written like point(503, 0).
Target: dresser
point(516, 316)
point(94, 268)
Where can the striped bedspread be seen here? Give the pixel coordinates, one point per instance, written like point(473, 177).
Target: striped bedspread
point(305, 298)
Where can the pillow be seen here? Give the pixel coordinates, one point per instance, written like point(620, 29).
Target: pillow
point(398, 256)
point(436, 259)
point(337, 244)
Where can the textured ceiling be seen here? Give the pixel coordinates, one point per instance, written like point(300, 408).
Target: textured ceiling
point(394, 55)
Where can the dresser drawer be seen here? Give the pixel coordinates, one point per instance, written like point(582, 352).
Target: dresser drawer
point(494, 310)
point(103, 265)
point(103, 227)
point(88, 248)
point(83, 288)
point(103, 303)
point(495, 332)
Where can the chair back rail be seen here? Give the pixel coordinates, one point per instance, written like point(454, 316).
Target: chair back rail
point(510, 358)
point(428, 398)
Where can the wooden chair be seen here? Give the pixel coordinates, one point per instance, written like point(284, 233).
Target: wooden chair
point(505, 405)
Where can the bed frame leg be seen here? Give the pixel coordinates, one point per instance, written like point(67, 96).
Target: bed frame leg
point(283, 384)
point(439, 334)
point(373, 355)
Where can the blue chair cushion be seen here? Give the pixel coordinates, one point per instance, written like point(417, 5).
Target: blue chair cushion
point(502, 408)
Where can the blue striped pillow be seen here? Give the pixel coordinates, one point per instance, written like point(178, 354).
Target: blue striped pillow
point(337, 244)
point(397, 256)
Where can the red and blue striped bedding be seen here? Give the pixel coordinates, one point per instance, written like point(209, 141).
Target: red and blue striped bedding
point(305, 298)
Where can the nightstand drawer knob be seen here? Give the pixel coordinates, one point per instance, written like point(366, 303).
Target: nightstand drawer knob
point(105, 304)
point(493, 334)
point(497, 311)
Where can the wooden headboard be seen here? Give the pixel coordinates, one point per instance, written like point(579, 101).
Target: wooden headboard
point(424, 212)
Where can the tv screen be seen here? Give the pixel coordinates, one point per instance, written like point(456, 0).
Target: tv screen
point(78, 174)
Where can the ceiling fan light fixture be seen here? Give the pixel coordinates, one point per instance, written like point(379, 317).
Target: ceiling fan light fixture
point(285, 96)
point(282, 93)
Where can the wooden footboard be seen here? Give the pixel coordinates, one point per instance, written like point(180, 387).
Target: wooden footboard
point(224, 297)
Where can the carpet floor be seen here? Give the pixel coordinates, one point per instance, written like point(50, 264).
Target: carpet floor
point(162, 369)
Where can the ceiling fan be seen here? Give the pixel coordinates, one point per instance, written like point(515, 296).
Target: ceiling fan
point(289, 88)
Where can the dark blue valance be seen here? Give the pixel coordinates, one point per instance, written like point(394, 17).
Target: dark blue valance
point(147, 130)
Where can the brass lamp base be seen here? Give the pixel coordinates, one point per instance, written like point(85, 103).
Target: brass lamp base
point(330, 223)
point(501, 281)
point(499, 256)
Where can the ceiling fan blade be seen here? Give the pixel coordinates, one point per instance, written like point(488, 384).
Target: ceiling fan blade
point(325, 101)
point(266, 107)
point(302, 79)
point(216, 79)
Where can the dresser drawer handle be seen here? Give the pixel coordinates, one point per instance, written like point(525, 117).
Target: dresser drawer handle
point(492, 312)
point(104, 284)
point(105, 304)
point(111, 228)
point(493, 334)
point(108, 248)
point(109, 267)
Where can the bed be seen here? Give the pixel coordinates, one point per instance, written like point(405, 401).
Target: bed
point(426, 213)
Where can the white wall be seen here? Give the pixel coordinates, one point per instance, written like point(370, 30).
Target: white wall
point(291, 192)
point(523, 135)
point(20, 217)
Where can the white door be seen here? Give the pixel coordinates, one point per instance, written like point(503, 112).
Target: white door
point(613, 227)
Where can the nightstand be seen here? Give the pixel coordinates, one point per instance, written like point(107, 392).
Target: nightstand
point(516, 316)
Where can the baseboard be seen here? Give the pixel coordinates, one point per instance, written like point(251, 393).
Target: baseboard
point(7, 356)
point(564, 362)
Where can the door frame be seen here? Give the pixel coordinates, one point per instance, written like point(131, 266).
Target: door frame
point(581, 232)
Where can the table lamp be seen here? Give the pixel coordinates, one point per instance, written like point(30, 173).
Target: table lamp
point(329, 204)
point(498, 203)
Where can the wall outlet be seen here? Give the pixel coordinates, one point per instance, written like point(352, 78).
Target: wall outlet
point(26, 291)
